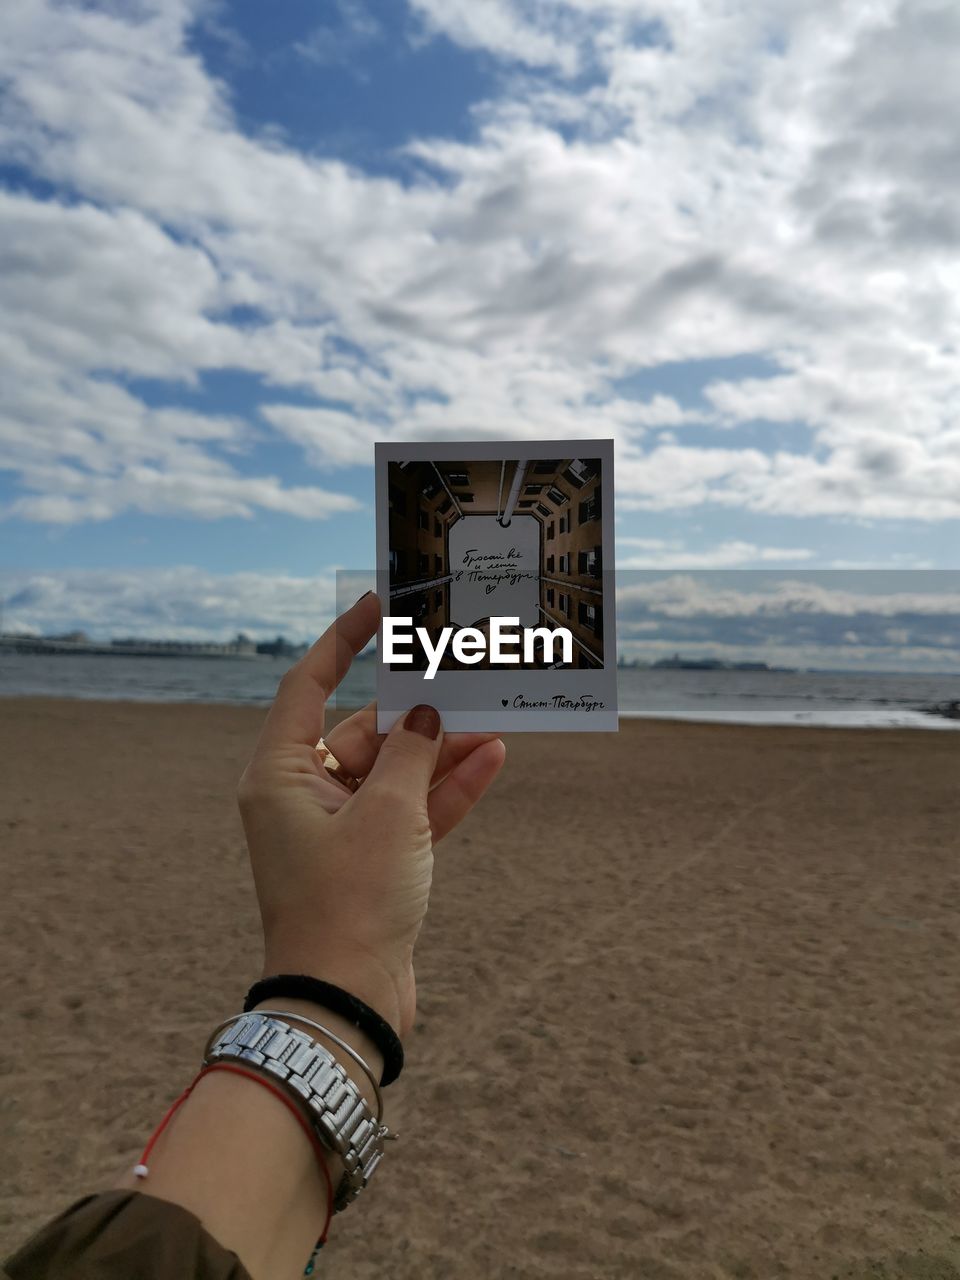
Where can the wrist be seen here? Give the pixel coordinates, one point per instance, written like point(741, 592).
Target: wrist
point(267, 1210)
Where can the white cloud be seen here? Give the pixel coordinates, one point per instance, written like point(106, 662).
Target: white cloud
point(339, 41)
point(180, 602)
point(671, 476)
point(329, 438)
point(499, 27)
point(87, 290)
point(654, 553)
point(822, 593)
point(208, 495)
point(927, 660)
point(885, 621)
point(722, 179)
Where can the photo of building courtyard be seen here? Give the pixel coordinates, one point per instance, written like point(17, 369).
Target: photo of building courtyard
point(507, 538)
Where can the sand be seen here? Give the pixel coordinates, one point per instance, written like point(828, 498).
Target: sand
point(689, 995)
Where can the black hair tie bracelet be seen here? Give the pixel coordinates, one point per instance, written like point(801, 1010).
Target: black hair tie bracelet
point(301, 987)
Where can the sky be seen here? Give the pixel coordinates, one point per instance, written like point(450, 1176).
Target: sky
point(241, 242)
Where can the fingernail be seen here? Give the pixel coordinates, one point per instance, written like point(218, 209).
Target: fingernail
point(423, 719)
point(359, 598)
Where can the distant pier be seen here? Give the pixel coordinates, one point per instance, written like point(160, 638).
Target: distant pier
point(78, 645)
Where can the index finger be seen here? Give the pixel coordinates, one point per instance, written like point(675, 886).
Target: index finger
point(297, 712)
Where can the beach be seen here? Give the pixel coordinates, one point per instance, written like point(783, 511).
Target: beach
point(689, 995)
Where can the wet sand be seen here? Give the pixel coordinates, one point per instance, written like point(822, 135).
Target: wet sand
point(689, 995)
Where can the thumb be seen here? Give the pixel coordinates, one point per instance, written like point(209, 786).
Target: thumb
point(406, 762)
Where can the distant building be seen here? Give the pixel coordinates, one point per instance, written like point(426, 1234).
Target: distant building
point(676, 663)
point(280, 648)
point(77, 642)
point(242, 645)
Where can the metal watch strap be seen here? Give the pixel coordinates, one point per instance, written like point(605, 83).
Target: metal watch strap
point(334, 1105)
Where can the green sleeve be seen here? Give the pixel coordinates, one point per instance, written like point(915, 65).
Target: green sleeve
point(124, 1234)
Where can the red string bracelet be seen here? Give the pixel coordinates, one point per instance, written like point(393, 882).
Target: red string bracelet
point(141, 1170)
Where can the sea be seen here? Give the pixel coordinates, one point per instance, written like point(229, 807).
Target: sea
point(846, 700)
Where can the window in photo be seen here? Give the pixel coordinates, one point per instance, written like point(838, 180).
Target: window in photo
point(590, 509)
point(588, 562)
point(588, 615)
point(580, 471)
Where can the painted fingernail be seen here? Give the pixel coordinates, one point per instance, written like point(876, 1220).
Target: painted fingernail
point(423, 719)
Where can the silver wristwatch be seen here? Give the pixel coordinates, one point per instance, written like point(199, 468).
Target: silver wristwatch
point(337, 1110)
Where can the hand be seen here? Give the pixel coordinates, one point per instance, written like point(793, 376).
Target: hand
point(343, 879)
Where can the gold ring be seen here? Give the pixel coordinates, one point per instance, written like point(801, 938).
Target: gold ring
point(335, 768)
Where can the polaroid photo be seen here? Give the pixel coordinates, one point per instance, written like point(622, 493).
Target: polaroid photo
point(495, 575)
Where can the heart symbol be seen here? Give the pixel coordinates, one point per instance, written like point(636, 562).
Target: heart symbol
point(503, 702)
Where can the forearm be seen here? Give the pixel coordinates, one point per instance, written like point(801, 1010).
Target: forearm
point(237, 1158)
